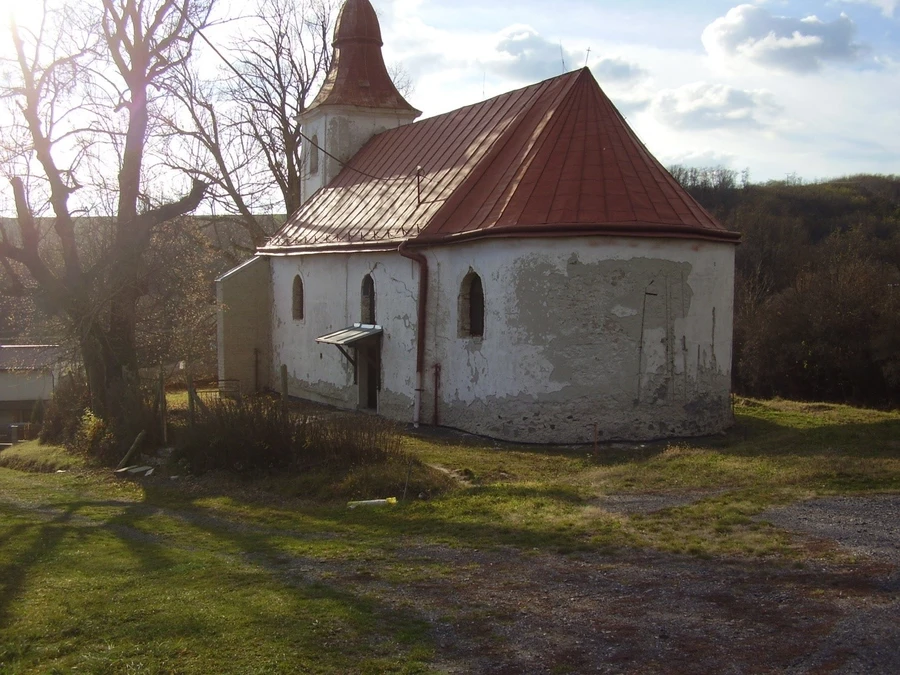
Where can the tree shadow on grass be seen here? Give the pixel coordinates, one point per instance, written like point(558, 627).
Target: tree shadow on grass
point(317, 607)
point(45, 538)
point(762, 437)
point(479, 517)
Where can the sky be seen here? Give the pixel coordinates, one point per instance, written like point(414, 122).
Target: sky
point(782, 88)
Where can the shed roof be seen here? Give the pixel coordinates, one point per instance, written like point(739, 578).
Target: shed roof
point(28, 357)
point(351, 334)
point(552, 159)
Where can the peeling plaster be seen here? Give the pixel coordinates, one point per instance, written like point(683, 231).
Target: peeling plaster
point(631, 336)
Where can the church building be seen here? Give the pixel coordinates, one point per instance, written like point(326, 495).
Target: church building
point(521, 268)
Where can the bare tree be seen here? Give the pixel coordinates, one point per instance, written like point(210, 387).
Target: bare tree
point(84, 88)
point(243, 129)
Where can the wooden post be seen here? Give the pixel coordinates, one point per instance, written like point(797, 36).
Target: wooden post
point(191, 394)
point(284, 388)
point(163, 408)
point(132, 450)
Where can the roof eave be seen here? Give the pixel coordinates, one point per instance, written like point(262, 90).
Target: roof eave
point(554, 230)
point(332, 247)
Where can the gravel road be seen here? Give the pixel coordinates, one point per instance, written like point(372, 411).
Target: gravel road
point(867, 525)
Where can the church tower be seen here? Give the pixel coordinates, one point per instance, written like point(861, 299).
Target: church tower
point(357, 100)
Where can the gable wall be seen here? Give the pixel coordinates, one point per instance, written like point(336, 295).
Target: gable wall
point(243, 298)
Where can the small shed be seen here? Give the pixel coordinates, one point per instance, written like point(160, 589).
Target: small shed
point(28, 375)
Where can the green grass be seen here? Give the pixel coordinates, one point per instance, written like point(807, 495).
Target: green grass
point(234, 575)
point(31, 456)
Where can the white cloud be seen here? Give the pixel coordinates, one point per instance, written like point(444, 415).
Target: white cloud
point(738, 116)
point(703, 105)
point(525, 55)
point(887, 7)
point(616, 69)
point(751, 33)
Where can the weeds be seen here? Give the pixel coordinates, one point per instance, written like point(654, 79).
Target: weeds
point(256, 435)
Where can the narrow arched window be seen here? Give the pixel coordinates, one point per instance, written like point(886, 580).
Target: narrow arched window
point(368, 300)
point(297, 299)
point(471, 307)
point(314, 154)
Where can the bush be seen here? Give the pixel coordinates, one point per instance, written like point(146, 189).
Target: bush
point(69, 421)
point(95, 439)
point(254, 435)
point(62, 416)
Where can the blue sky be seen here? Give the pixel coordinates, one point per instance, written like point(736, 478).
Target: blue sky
point(779, 87)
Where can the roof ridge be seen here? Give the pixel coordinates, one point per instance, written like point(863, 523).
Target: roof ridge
point(531, 153)
point(570, 106)
point(459, 195)
point(683, 195)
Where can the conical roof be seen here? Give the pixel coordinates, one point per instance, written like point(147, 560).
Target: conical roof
point(358, 76)
point(552, 159)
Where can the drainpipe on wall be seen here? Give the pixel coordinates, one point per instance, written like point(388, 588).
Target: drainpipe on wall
point(420, 329)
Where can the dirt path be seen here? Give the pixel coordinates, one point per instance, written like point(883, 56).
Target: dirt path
point(508, 611)
point(502, 611)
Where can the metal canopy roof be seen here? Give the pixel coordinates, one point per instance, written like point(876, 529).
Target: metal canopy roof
point(350, 335)
point(553, 159)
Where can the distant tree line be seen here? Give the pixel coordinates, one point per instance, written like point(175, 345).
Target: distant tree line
point(817, 287)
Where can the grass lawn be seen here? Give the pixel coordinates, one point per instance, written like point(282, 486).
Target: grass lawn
point(231, 576)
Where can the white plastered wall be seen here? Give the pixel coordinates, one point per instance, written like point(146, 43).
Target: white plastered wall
point(26, 385)
point(332, 288)
point(244, 318)
point(341, 131)
point(628, 337)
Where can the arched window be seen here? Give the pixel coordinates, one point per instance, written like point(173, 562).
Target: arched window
point(297, 299)
point(368, 300)
point(471, 307)
point(314, 154)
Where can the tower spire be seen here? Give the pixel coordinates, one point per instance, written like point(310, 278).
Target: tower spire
point(358, 76)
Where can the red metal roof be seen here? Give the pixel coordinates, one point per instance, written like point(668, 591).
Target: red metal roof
point(358, 76)
point(357, 20)
point(553, 159)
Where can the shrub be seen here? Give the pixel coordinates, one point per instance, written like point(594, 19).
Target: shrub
point(254, 435)
point(62, 416)
point(95, 439)
point(68, 421)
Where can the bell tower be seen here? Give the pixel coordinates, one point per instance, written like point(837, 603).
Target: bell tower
point(357, 100)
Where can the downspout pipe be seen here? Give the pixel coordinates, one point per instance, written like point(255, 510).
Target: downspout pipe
point(420, 328)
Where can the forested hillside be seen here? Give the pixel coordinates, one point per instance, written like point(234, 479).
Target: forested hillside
point(817, 289)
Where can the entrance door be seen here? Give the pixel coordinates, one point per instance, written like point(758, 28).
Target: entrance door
point(369, 370)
